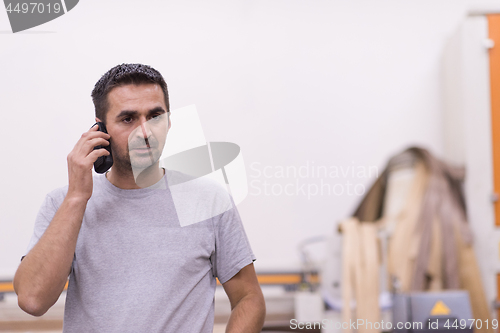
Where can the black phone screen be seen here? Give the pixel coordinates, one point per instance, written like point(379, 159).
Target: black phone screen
point(103, 163)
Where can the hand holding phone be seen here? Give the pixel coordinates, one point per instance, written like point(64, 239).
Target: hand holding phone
point(81, 160)
point(103, 163)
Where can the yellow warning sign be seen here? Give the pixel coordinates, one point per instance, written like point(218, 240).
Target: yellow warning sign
point(440, 309)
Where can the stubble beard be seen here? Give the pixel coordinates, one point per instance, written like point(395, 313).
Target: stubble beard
point(121, 161)
point(127, 165)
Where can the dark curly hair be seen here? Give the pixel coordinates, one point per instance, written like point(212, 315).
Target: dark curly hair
point(121, 75)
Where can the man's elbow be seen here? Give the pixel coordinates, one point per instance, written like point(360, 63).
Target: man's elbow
point(28, 300)
point(31, 305)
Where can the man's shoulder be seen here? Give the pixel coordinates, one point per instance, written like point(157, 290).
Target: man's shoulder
point(57, 195)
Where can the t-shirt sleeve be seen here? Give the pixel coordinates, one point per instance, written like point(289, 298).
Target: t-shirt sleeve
point(42, 221)
point(232, 248)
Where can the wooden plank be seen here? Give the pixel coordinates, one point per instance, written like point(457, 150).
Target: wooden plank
point(494, 53)
point(264, 279)
point(8, 287)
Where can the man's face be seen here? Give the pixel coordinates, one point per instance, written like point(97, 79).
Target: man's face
point(138, 124)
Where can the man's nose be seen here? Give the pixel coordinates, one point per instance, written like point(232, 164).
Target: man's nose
point(145, 129)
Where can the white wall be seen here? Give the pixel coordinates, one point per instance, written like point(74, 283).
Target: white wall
point(331, 83)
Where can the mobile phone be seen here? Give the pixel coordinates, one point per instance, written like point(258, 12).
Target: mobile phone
point(103, 163)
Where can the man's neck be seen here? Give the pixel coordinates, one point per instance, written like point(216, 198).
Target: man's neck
point(125, 179)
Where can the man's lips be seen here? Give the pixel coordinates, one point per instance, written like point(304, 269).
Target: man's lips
point(147, 146)
point(142, 149)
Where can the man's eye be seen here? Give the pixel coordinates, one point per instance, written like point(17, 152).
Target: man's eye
point(156, 117)
point(127, 120)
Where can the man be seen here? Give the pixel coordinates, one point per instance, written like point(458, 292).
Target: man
point(132, 267)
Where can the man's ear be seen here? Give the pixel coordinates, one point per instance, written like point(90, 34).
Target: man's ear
point(97, 120)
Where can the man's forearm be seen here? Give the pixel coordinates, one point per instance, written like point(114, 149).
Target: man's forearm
point(248, 315)
point(42, 274)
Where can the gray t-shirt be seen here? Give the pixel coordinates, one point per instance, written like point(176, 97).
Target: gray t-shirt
point(137, 270)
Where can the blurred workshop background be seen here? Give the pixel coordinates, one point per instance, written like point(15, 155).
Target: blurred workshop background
point(376, 122)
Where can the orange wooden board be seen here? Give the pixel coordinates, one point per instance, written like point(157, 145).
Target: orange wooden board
point(494, 53)
point(264, 279)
